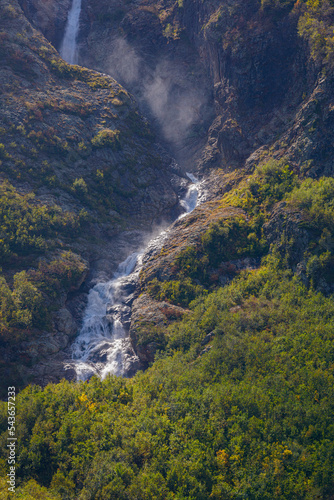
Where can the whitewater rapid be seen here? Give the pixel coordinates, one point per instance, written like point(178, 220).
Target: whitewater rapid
point(69, 48)
point(103, 345)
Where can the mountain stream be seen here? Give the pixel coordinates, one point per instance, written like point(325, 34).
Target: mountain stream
point(103, 345)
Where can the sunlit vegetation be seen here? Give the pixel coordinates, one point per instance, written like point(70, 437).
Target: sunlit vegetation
point(252, 417)
point(106, 138)
point(316, 26)
point(239, 401)
point(198, 268)
point(93, 79)
point(268, 185)
point(29, 230)
point(34, 294)
point(28, 226)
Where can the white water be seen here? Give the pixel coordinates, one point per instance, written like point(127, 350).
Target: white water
point(103, 345)
point(69, 49)
point(189, 202)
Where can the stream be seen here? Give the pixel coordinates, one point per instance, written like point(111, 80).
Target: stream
point(103, 345)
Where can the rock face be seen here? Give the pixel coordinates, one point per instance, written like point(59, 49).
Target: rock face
point(221, 81)
point(48, 16)
point(148, 319)
point(79, 132)
point(75, 138)
point(229, 76)
point(243, 67)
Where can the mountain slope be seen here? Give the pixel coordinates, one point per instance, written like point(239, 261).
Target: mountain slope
point(78, 166)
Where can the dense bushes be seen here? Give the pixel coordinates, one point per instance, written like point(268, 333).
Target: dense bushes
point(35, 294)
point(178, 292)
point(28, 226)
point(21, 307)
point(236, 237)
point(29, 230)
point(316, 26)
point(269, 183)
point(316, 199)
point(250, 419)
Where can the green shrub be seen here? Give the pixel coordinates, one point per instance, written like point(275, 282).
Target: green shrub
point(22, 307)
point(268, 185)
point(80, 187)
point(178, 292)
point(316, 26)
point(316, 199)
point(107, 138)
point(28, 226)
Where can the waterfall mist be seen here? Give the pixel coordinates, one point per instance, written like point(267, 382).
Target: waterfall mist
point(164, 89)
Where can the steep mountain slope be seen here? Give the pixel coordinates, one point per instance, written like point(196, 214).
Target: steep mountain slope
point(268, 67)
point(84, 166)
point(232, 316)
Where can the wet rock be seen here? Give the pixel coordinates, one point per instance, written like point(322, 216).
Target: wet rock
point(120, 312)
point(100, 354)
point(128, 286)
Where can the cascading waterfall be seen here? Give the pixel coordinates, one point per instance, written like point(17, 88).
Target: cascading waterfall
point(189, 202)
point(103, 345)
point(69, 49)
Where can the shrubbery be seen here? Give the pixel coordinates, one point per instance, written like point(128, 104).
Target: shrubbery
point(316, 26)
point(28, 230)
point(106, 138)
point(28, 226)
point(252, 418)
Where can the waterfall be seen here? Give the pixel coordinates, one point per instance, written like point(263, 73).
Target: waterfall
point(68, 49)
point(103, 345)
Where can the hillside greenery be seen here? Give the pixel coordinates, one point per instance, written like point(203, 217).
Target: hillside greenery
point(274, 184)
point(34, 235)
point(250, 418)
point(244, 414)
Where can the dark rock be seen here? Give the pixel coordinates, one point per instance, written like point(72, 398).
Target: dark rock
point(206, 350)
point(207, 338)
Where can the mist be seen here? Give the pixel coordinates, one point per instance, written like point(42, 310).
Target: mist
point(164, 90)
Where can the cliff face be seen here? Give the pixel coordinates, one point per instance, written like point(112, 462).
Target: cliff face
point(248, 65)
point(79, 165)
point(243, 66)
point(66, 121)
point(220, 80)
point(49, 17)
